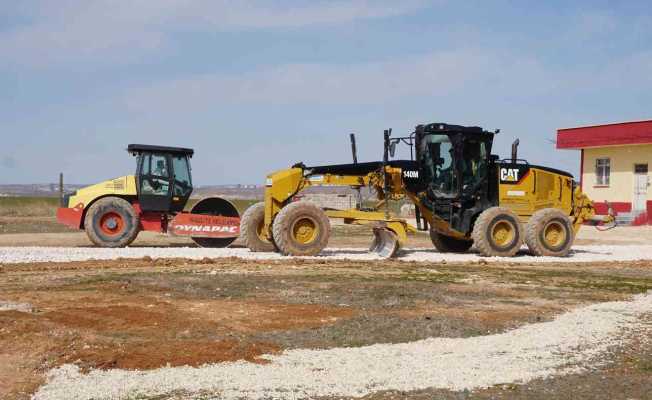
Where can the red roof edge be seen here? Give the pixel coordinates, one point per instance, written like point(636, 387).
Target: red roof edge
point(621, 133)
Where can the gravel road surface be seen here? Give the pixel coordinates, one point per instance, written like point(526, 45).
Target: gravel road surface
point(572, 342)
point(67, 254)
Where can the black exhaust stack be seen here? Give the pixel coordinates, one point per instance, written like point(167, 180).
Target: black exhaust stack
point(515, 150)
point(354, 149)
point(354, 153)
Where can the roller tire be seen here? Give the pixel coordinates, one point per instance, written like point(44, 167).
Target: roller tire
point(208, 206)
point(285, 229)
point(250, 223)
point(101, 217)
point(213, 243)
point(483, 232)
point(447, 244)
point(536, 227)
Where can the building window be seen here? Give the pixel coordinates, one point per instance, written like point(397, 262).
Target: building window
point(602, 171)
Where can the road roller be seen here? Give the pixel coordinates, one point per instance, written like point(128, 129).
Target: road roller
point(113, 212)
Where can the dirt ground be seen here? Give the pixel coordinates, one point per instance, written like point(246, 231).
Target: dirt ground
point(144, 314)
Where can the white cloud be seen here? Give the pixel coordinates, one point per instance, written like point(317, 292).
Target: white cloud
point(67, 30)
point(436, 74)
point(9, 162)
point(593, 24)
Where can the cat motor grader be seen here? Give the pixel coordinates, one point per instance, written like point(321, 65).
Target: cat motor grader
point(113, 212)
point(462, 193)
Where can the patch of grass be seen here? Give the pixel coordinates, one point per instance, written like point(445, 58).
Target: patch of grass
point(28, 206)
point(577, 280)
point(369, 329)
point(615, 285)
point(645, 366)
point(442, 277)
point(91, 282)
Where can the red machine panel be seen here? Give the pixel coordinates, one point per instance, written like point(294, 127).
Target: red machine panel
point(198, 225)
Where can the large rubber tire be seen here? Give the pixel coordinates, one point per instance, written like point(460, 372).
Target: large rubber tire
point(549, 232)
point(301, 229)
point(251, 229)
point(497, 233)
point(112, 222)
point(447, 244)
point(214, 206)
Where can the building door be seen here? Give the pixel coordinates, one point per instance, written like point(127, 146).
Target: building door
point(640, 187)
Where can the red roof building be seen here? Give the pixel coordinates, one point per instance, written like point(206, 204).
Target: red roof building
point(614, 166)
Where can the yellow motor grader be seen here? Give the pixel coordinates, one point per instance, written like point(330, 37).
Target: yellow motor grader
point(462, 193)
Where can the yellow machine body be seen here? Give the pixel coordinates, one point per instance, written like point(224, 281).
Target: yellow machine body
point(120, 187)
point(537, 190)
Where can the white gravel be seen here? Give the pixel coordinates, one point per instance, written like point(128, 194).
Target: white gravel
point(11, 306)
point(570, 343)
point(67, 254)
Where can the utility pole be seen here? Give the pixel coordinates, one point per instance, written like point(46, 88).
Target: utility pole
point(61, 190)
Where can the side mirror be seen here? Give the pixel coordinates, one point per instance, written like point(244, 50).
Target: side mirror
point(392, 149)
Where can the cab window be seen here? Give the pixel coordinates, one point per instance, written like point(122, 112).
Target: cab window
point(438, 160)
point(182, 181)
point(155, 175)
point(473, 165)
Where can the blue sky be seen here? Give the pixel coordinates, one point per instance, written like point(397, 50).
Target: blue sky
point(256, 86)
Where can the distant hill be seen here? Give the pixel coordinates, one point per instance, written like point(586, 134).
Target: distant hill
point(36, 189)
point(252, 192)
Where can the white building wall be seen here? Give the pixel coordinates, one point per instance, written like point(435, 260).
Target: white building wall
point(621, 185)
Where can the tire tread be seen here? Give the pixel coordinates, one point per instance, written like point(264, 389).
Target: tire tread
point(283, 223)
point(480, 239)
point(115, 203)
point(536, 223)
point(248, 229)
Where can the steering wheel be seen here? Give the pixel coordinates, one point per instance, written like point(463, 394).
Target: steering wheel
point(154, 184)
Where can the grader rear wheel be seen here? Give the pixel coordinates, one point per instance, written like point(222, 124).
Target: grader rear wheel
point(251, 229)
point(447, 244)
point(549, 233)
point(497, 233)
point(111, 222)
point(301, 229)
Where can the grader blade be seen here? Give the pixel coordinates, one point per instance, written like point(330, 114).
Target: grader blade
point(385, 243)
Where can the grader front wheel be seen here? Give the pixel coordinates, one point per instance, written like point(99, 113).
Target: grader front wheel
point(251, 229)
point(301, 229)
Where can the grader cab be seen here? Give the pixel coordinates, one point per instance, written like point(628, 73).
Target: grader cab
point(462, 193)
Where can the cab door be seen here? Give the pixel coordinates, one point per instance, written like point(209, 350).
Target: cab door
point(155, 182)
point(182, 181)
point(641, 183)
